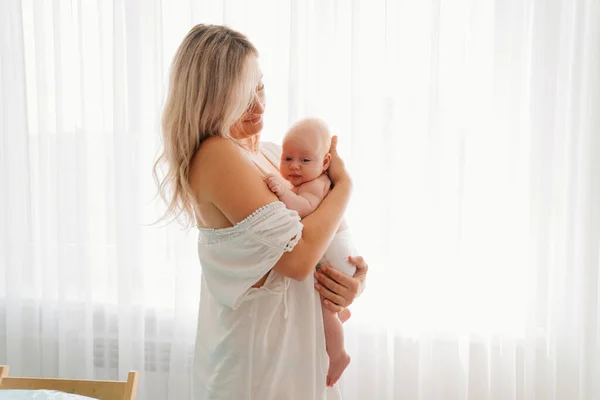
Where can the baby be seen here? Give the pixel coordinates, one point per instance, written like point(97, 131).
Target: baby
point(302, 186)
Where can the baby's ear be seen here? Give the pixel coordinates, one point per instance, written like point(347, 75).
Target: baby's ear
point(326, 161)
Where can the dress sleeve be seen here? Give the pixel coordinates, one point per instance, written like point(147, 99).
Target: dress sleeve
point(237, 258)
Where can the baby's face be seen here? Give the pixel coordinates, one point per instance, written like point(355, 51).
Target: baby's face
point(302, 159)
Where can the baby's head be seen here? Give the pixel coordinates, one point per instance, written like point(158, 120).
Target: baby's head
point(305, 154)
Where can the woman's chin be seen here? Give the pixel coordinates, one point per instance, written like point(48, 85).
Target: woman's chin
point(246, 132)
point(253, 129)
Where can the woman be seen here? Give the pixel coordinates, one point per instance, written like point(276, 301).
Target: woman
point(260, 331)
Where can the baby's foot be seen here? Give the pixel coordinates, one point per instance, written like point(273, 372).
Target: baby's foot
point(336, 368)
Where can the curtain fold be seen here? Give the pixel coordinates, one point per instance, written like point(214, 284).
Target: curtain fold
point(470, 128)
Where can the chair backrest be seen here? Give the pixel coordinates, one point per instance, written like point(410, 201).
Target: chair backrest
point(102, 390)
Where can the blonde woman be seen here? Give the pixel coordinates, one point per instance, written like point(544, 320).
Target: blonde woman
point(260, 327)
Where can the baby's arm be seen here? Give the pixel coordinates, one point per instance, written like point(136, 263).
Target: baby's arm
point(310, 194)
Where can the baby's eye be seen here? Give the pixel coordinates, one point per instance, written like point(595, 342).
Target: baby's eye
point(288, 158)
point(306, 160)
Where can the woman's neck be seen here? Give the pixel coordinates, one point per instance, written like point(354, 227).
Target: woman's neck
point(251, 144)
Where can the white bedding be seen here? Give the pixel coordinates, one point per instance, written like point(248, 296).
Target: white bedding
point(39, 395)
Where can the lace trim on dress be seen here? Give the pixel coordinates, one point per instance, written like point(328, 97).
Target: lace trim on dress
point(209, 236)
point(244, 221)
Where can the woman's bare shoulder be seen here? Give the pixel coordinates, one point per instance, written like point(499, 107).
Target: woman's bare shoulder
point(220, 174)
point(211, 154)
point(213, 148)
point(206, 163)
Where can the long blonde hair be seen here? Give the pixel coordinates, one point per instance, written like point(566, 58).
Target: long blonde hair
point(213, 82)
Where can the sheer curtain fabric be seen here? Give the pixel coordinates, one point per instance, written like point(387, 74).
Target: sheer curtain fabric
point(471, 131)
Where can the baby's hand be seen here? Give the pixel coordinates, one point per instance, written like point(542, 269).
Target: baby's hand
point(277, 184)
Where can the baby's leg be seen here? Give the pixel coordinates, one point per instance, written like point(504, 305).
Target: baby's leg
point(334, 340)
point(337, 256)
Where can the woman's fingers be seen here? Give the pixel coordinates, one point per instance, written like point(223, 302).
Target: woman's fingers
point(361, 267)
point(358, 262)
point(335, 286)
point(330, 306)
point(337, 170)
point(334, 298)
point(348, 284)
point(333, 146)
point(360, 276)
point(337, 289)
point(328, 283)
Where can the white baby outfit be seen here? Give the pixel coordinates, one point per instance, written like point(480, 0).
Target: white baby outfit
point(338, 251)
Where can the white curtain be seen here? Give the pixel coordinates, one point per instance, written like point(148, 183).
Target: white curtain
point(471, 130)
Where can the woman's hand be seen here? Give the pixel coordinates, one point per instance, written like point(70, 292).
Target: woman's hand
point(337, 170)
point(337, 289)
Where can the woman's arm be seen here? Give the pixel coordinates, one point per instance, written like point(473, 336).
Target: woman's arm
point(236, 188)
point(319, 228)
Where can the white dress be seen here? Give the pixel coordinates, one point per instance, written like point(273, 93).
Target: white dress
point(263, 343)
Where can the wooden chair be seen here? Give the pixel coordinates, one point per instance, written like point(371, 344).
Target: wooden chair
point(102, 390)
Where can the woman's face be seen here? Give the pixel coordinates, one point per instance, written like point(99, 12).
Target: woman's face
point(251, 123)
